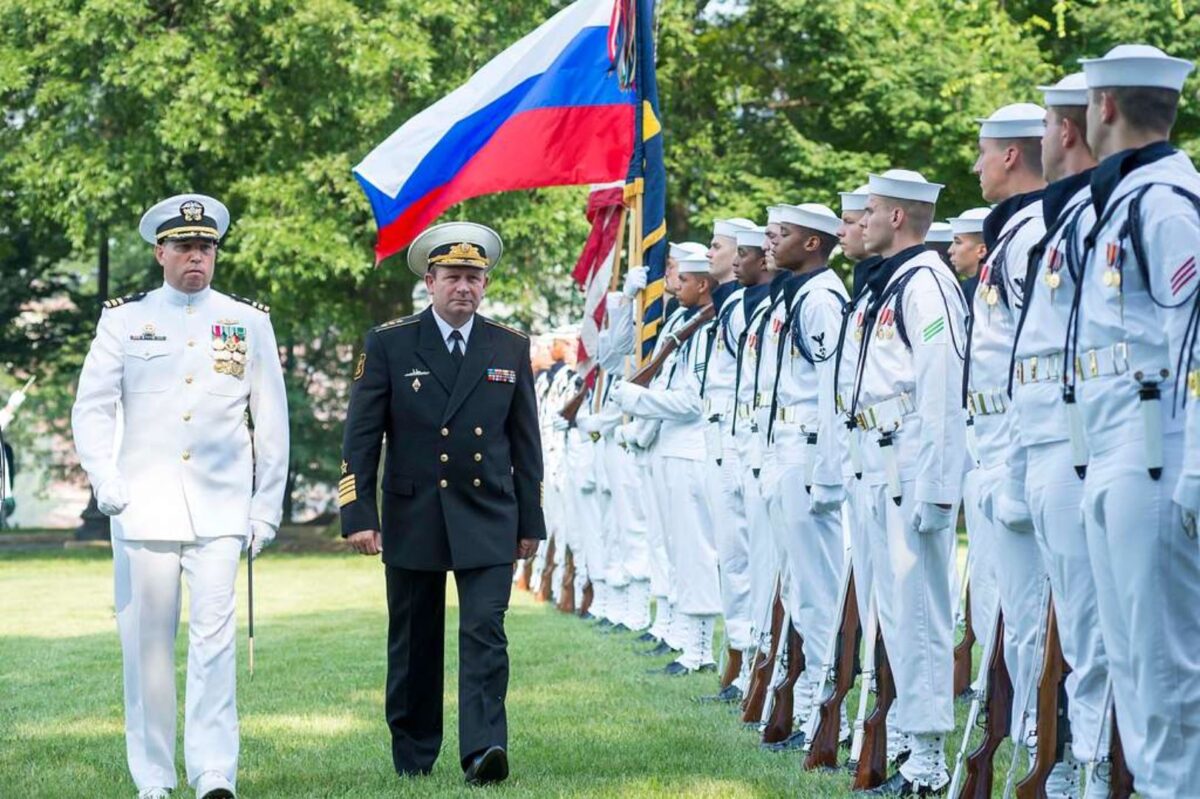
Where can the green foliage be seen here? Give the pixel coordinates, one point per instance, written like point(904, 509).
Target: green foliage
point(111, 105)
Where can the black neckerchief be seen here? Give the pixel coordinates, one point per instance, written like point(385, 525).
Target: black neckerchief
point(1112, 170)
point(882, 274)
point(778, 282)
point(1060, 192)
point(999, 216)
point(753, 296)
point(722, 292)
point(669, 306)
point(968, 287)
point(862, 271)
point(795, 281)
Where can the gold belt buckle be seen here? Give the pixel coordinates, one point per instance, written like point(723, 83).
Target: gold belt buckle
point(1021, 372)
point(1033, 369)
point(1121, 355)
point(971, 404)
point(861, 419)
point(1093, 364)
point(1194, 383)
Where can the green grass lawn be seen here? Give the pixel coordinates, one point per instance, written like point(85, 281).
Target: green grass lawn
point(584, 717)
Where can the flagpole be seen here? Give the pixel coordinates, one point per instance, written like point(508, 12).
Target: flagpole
point(636, 256)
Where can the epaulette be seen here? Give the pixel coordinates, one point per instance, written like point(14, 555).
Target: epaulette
point(117, 302)
point(255, 304)
point(401, 322)
point(512, 330)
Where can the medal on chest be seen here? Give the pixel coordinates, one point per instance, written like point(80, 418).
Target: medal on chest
point(1052, 278)
point(858, 326)
point(1112, 273)
point(885, 325)
point(229, 349)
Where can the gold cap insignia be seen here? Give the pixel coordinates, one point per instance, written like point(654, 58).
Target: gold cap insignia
point(192, 211)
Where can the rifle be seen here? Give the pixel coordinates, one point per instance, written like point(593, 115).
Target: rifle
point(873, 760)
point(589, 594)
point(571, 409)
point(760, 671)
point(525, 578)
point(566, 600)
point(962, 652)
point(733, 667)
point(543, 592)
point(643, 376)
point(978, 784)
point(1053, 726)
point(1029, 693)
point(864, 692)
point(1120, 778)
point(779, 717)
point(826, 723)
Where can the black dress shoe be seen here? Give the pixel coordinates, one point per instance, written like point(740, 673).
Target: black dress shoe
point(675, 669)
point(646, 637)
point(617, 628)
point(788, 744)
point(586, 616)
point(898, 785)
point(413, 773)
point(728, 694)
point(489, 767)
point(708, 668)
point(663, 648)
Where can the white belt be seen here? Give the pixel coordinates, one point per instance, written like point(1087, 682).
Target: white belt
point(795, 414)
point(987, 403)
point(841, 402)
point(1109, 361)
point(746, 411)
point(1041, 368)
point(722, 410)
point(886, 415)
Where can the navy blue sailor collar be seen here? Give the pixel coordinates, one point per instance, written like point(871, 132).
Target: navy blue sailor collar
point(1112, 170)
point(1060, 192)
point(1004, 211)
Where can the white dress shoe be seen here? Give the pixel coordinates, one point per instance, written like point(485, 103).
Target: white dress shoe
point(154, 793)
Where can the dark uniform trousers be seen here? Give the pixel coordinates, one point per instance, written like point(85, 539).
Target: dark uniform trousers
point(416, 631)
point(461, 485)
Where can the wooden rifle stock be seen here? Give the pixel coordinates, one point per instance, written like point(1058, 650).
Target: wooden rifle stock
point(566, 600)
point(1120, 778)
point(978, 782)
point(1053, 726)
point(823, 748)
point(543, 592)
point(873, 762)
point(644, 375)
point(585, 604)
point(962, 652)
point(571, 409)
point(733, 667)
point(779, 725)
point(760, 674)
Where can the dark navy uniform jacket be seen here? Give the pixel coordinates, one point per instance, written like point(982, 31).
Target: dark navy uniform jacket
point(462, 480)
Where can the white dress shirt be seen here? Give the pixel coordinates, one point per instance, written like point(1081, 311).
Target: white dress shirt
point(446, 329)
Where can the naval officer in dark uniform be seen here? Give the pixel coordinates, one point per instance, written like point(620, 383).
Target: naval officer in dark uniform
point(452, 394)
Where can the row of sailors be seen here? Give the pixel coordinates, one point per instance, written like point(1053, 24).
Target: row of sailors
point(804, 422)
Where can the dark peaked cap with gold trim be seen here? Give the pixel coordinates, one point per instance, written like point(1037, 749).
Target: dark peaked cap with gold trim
point(185, 216)
point(455, 244)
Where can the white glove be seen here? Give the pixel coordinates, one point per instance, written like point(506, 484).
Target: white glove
point(1013, 513)
point(559, 424)
point(625, 395)
point(826, 499)
point(619, 434)
point(635, 280)
point(261, 534)
point(1187, 498)
point(986, 503)
point(930, 518)
point(112, 497)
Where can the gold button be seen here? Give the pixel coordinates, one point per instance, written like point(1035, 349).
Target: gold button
point(191, 309)
point(476, 482)
point(186, 455)
point(445, 457)
point(478, 431)
point(188, 380)
point(191, 342)
point(443, 483)
point(478, 457)
point(445, 432)
point(187, 417)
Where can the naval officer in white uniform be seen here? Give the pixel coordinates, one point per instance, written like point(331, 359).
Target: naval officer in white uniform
point(180, 422)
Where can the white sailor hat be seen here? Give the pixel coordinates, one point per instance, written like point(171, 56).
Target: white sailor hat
point(1136, 65)
point(855, 200)
point(754, 237)
point(682, 249)
point(730, 227)
point(1016, 121)
point(455, 244)
point(773, 212)
point(969, 221)
point(903, 184)
point(1071, 90)
point(813, 216)
point(693, 264)
point(185, 216)
point(939, 233)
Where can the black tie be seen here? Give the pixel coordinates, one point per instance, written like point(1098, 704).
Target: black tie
point(457, 345)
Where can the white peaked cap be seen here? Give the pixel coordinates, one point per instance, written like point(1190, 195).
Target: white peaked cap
point(754, 237)
point(1016, 121)
point(678, 250)
point(813, 216)
point(939, 233)
point(730, 227)
point(903, 184)
point(1136, 65)
point(855, 200)
point(693, 264)
point(969, 221)
point(1071, 90)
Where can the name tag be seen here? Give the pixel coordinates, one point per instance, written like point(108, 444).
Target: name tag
point(501, 376)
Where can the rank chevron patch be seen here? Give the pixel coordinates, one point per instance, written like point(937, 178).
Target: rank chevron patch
point(933, 328)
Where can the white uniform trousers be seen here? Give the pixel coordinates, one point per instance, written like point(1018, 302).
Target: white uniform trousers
point(662, 567)
point(733, 546)
point(858, 517)
point(691, 537)
point(146, 577)
point(1054, 501)
point(629, 554)
point(981, 563)
point(917, 615)
point(814, 546)
point(765, 561)
point(1147, 574)
point(1024, 594)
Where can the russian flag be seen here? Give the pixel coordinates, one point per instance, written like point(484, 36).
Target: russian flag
point(548, 111)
